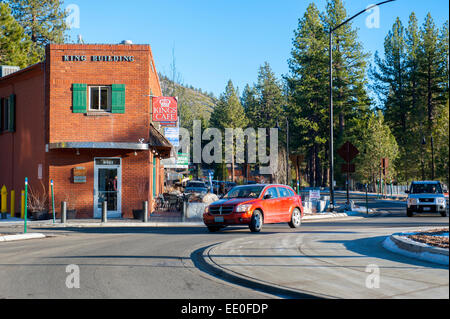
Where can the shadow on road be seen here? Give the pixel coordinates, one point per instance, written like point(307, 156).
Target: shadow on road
point(195, 230)
point(372, 247)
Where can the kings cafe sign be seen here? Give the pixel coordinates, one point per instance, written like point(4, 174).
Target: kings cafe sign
point(164, 109)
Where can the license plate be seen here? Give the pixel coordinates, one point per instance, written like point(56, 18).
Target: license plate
point(218, 219)
point(427, 208)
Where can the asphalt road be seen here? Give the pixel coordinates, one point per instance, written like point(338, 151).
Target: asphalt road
point(149, 262)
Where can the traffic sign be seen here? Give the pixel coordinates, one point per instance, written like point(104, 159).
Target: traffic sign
point(348, 151)
point(348, 168)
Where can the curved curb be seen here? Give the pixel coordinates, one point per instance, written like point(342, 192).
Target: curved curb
point(22, 237)
point(201, 260)
point(399, 243)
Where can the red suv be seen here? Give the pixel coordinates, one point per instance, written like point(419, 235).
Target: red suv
point(255, 205)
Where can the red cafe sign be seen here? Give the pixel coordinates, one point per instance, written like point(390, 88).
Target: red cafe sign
point(164, 109)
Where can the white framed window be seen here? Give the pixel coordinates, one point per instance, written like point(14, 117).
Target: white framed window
point(99, 98)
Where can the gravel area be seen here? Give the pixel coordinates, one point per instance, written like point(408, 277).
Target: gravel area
point(432, 237)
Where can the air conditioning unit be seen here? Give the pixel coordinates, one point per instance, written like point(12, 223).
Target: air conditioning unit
point(8, 69)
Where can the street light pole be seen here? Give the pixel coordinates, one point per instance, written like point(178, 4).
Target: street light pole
point(331, 95)
point(287, 151)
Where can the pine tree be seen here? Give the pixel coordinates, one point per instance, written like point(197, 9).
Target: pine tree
point(229, 113)
point(308, 86)
point(42, 20)
point(376, 142)
point(14, 43)
point(433, 83)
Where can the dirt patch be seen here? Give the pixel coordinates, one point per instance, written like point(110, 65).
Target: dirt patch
point(432, 237)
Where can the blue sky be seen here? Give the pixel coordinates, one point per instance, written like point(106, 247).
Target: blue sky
point(215, 41)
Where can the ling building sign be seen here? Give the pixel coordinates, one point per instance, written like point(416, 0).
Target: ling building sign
point(98, 58)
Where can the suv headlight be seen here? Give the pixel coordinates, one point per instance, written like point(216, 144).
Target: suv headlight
point(243, 208)
point(412, 201)
point(440, 201)
point(207, 209)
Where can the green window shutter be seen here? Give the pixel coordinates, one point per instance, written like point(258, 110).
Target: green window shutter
point(79, 95)
point(12, 113)
point(118, 98)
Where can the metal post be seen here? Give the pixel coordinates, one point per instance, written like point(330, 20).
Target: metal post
point(104, 212)
point(63, 212)
point(432, 158)
point(331, 125)
point(184, 207)
point(26, 207)
point(13, 204)
point(53, 201)
point(145, 212)
point(367, 202)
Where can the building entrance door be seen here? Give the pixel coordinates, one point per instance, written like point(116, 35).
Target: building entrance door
point(107, 186)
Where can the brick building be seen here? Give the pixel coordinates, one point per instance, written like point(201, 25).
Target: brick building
point(82, 118)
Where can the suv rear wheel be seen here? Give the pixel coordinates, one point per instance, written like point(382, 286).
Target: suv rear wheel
point(296, 219)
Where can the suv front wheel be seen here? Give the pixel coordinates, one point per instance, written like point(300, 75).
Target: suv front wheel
point(256, 222)
point(409, 213)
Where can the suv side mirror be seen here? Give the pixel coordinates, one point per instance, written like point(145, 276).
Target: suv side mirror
point(267, 196)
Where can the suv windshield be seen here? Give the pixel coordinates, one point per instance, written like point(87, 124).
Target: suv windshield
point(431, 188)
point(196, 184)
point(244, 192)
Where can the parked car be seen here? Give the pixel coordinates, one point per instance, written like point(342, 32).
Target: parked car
point(255, 205)
point(426, 196)
point(229, 186)
point(196, 187)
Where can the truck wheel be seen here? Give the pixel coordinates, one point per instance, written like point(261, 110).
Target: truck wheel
point(256, 222)
point(444, 214)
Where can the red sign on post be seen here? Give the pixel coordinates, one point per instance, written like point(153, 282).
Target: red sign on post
point(164, 109)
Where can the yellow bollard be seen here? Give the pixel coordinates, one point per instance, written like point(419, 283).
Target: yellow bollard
point(22, 205)
point(4, 196)
point(13, 203)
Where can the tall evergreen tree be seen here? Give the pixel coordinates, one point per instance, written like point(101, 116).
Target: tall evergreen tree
point(433, 83)
point(14, 43)
point(42, 20)
point(307, 83)
point(392, 81)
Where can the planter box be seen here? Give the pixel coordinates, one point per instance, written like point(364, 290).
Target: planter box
point(138, 214)
point(41, 215)
point(71, 214)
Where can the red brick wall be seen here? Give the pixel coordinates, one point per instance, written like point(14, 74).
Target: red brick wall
point(138, 76)
point(44, 115)
point(22, 151)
